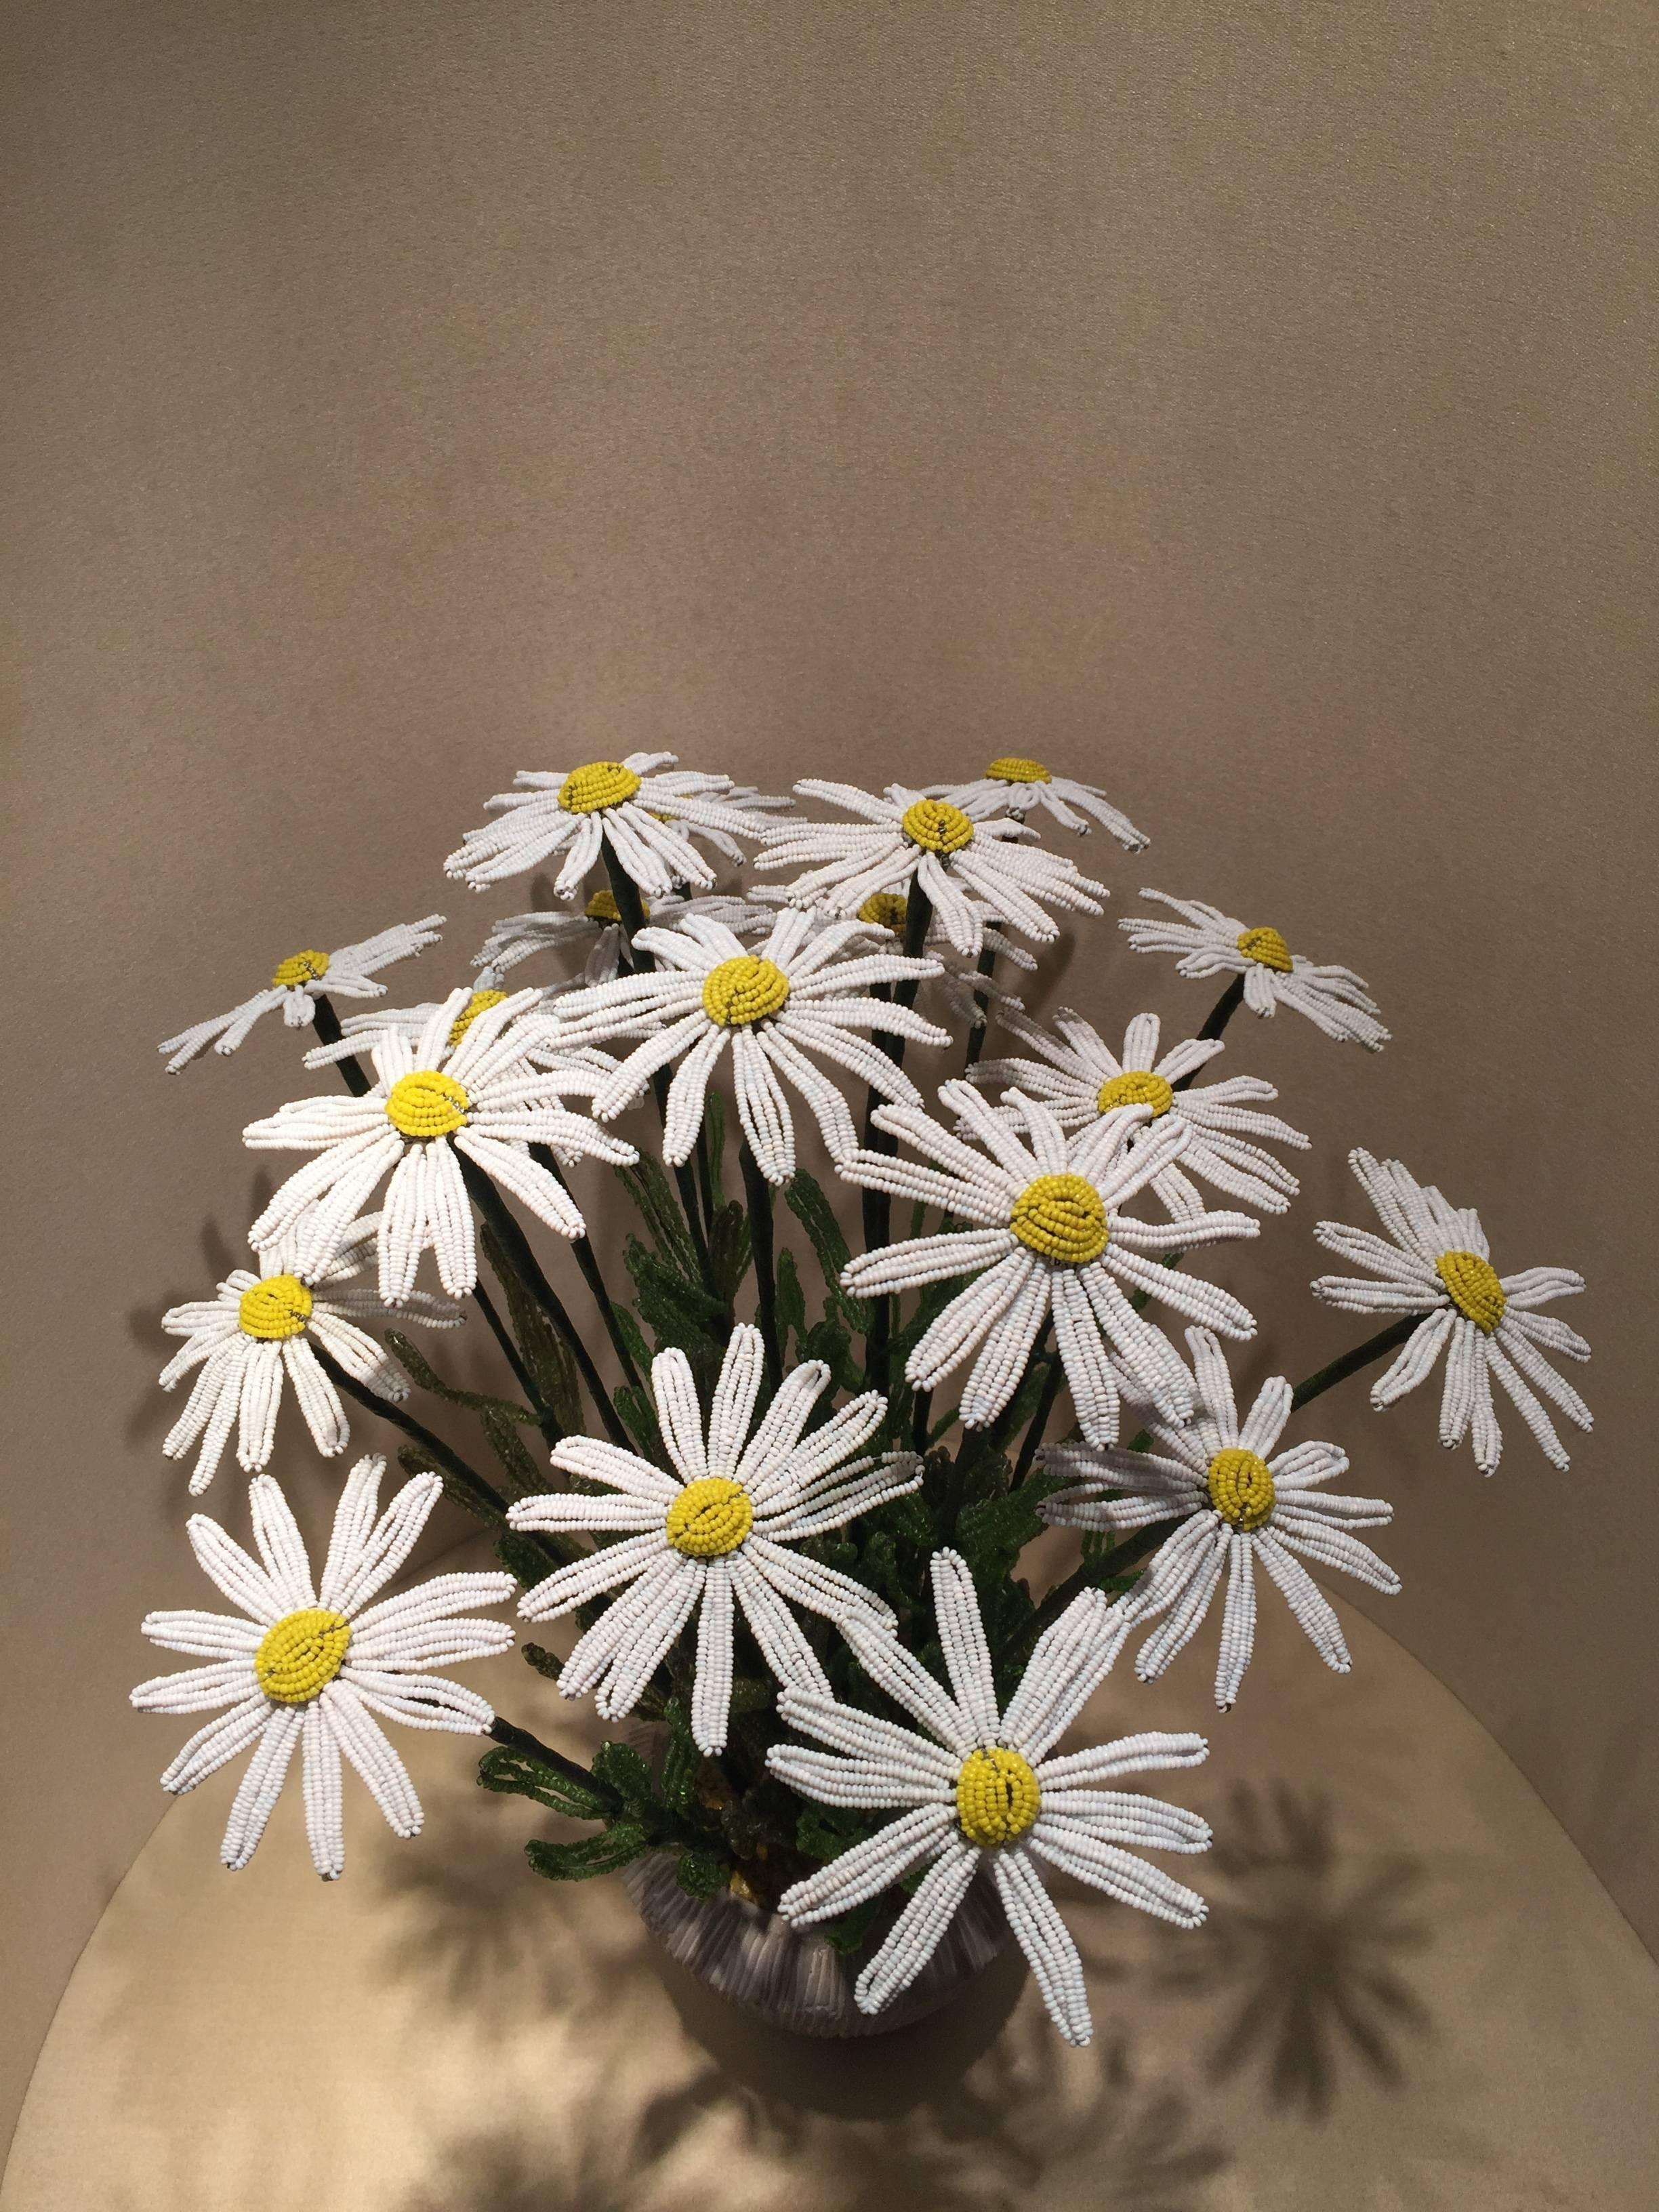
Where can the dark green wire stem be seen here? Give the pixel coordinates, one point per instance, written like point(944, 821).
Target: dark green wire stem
point(988, 961)
point(1215, 1022)
point(758, 1192)
point(1375, 1347)
point(476, 1490)
point(1045, 1406)
point(878, 1204)
point(588, 1261)
point(521, 1741)
point(631, 908)
point(546, 1420)
point(527, 1267)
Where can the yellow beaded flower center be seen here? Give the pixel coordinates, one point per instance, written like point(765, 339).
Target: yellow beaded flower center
point(301, 1654)
point(885, 910)
point(997, 1797)
point(1473, 1286)
point(709, 1518)
point(426, 1104)
point(277, 1308)
point(602, 906)
point(1063, 1217)
point(744, 990)
point(937, 826)
point(1241, 1488)
point(479, 1003)
point(1266, 947)
point(299, 968)
point(600, 784)
point(1136, 1086)
point(1013, 768)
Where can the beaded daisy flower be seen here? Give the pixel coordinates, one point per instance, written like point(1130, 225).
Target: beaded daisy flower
point(776, 1010)
point(905, 837)
point(1049, 1239)
point(717, 1538)
point(1015, 784)
point(298, 982)
point(257, 1333)
point(449, 1094)
point(1439, 1265)
point(597, 931)
point(979, 1790)
point(309, 1664)
point(642, 815)
point(1212, 943)
point(966, 990)
point(1078, 1079)
point(1236, 1504)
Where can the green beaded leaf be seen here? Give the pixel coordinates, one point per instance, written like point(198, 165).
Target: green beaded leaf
point(594, 1855)
point(620, 1766)
point(520, 1774)
point(702, 1874)
point(729, 1250)
point(817, 1217)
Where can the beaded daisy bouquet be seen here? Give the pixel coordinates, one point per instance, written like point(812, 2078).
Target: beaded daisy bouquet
point(775, 1476)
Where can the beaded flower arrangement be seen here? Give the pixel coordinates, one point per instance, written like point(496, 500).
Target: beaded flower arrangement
point(779, 1488)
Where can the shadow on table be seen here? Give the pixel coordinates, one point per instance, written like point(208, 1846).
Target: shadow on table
point(1007, 2129)
point(1302, 1956)
point(1302, 1972)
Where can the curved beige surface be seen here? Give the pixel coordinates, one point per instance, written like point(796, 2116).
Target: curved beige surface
point(1412, 1994)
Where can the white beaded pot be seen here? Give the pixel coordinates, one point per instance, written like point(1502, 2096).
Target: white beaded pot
point(792, 1977)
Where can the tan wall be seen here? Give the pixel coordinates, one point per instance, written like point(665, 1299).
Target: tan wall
point(1250, 405)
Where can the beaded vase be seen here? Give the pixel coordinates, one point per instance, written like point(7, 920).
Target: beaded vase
point(793, 1977)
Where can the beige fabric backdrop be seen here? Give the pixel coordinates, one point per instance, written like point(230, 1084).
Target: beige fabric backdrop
point(1251, 407)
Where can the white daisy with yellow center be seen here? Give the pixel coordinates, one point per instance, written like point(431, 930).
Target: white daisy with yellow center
point(431, 1105)
point(258, 1332)
point(977, 1789)
point(1078, 1078)
point(715, 1537)
point(1049, 1242)
point(1237, 1502)
point(967, 990)
point(776, 1011)
point(1016, 784)
point(1210, 943)
point(906, 837)
point(643, 815)
point(596, 934)
point(298, 981)
point(1439, 1265)
point(308, 1663)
